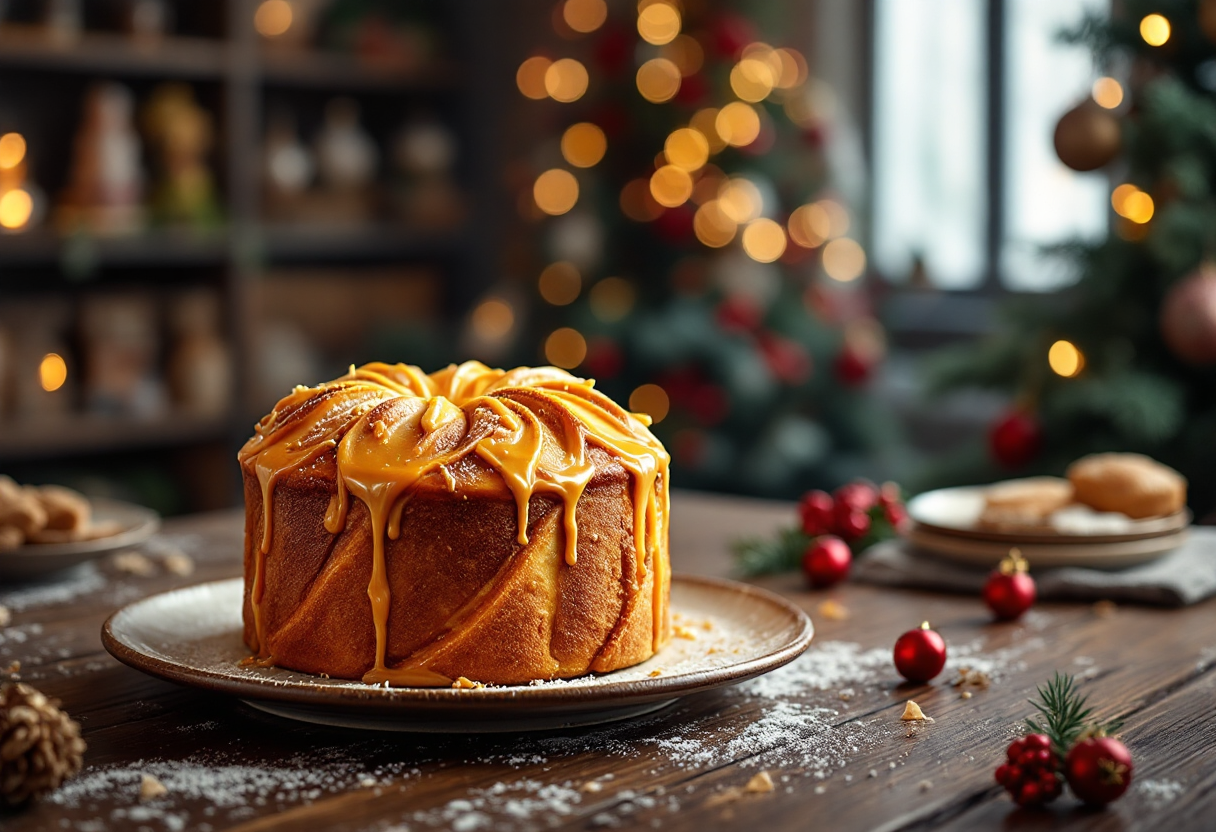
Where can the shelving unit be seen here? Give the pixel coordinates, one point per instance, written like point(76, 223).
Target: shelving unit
point(235, 72)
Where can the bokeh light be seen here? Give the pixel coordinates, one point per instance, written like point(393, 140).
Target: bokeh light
point(705, 122)
point(652, 400)
point(583, 144)
point(844, 260)
point(16, 206)
point(1065, 359)
point(12, 150)
point(764, 240)
point(712, 226)
point(687, 148)
point(565, 348)
point(1155, 29)
point(560, 283)
point(738, 124)
point(273, 18)
point(52, 372)
point(493, 319)
point(555, 191)
point(1132, 203)
point(838, 218)
point(686, 53)
point(1108, 93)
point(709, 181)
point(658, 80)
point(752, 79)
point(793, 68)
point(584, 15)
point(566, 80)
point(810, 226)
point(530, 77)
point(637, 202)
point(740, 199)
point(670, 186)
point(659, 23)
point(612, 299)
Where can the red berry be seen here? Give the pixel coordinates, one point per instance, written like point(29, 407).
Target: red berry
point(1035, 741)
point(851, 524)
point(1015, 750)
point(1008, 596)
point(1099, 770)
point(859, 495)
point(1002, 774)
point(817, 513)
point(1015, 774)
point(896, 515)
point(920, 654)
point(890, 495)
point(826, 561)
point(1029, 795)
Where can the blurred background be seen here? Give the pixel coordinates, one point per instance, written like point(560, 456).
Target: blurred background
point(931, 240)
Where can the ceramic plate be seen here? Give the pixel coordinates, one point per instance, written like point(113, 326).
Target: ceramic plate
point(193, 636)
point(34, 559)
point(956, 512)
point(987, 553)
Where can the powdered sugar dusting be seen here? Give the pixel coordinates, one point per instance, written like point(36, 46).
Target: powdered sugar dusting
point(1157, 793)
point(82, 580)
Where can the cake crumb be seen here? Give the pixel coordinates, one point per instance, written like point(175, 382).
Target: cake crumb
point(6, 617)
point(965, 695)
point(833, 610)
point(133, 563)
point(13, 667)
point(591, 787)
point(925, 785)
point(150, 788)
point(913, 713)
point(464, 683)
point(178, 563)
point(1105, 609)
point(974, 678)
point(658, 671)
point(680, 631)
point(760, 783)
point(707, 625)
point(724, 796)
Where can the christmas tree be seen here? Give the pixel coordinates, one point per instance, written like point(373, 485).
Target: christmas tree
point(1124, 359)
point(696, 254)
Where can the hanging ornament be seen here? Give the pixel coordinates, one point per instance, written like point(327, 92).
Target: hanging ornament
point(1207, 19)
point(826, 561)
point(1010, 591)
point(1188, 316)
point(920, 654)
point(1087, 137)
point(1015, 439)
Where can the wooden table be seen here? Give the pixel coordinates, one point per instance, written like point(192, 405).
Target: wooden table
point(839, 756)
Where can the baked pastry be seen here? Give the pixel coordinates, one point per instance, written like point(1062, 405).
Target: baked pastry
point(1132, 484)
point(1024, 503)
point(412, 529)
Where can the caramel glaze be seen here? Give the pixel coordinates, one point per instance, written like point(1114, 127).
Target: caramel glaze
point(392, 426)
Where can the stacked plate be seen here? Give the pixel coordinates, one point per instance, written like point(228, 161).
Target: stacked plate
point(946, 523)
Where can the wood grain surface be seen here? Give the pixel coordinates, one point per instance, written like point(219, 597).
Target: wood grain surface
point(826, 730)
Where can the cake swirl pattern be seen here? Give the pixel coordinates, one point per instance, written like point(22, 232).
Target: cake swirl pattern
point(394, 440)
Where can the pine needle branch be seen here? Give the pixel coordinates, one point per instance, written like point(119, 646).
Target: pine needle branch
point(1064, 713)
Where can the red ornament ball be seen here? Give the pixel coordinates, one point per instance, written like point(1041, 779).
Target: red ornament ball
point(1030, 771)
point(1188, 317)
point(1010, 591)
point(826, 561)
point(817, 512)
point(1099, 770)
point(1087, 136)
point(920, 654)
point(1015, 439)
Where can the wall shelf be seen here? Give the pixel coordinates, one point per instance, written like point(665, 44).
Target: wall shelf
point(106, 53)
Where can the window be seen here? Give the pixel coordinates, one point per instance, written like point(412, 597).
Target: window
point(967, 185)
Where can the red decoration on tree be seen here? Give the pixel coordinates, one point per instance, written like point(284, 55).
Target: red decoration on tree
point(920, 654)
point(826, 561)
point(851, 367)
point(1010, 590)
point(1188, 316)
point(1030, 773)
point(738, 313)
point(1015, 439)
point(731, 33)
point(1099, 770)
point(786, 359)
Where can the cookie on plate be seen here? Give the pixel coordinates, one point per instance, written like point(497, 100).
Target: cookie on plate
point(1132, 484)
point(1024, 504)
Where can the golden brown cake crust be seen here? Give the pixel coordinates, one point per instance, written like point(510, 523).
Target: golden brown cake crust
point(463, 593)
point(1132, 484)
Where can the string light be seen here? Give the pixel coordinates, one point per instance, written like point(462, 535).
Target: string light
point(565, 348)
point(844, 260)
point(612, 299)
point(658, 80)
point(1065, 359)
point(810, 226)
point(764, 240)
point(1108, 93)
point(659, 23)
point(16, 206)
point(585, 15)
point(751, 79)
point(1155, 29)
point(52, 372)
point(652, 400)
point(12, 150)
point(738, 124)
point(705, 123)
point(583, 144)
point(687, 148)
point(493, 320)
point(555, 191)
point(686, 53)
point(273, 18)
point(712, 226)
point(670, 186)
point(637, 203)
point(560, 283)
point(740, 199)
point(1132, 203)
point(530, 77)
point(566, 80)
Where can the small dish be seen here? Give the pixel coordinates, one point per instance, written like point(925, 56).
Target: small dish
point(32, 560)
point(192, 636)
point(1118, 554)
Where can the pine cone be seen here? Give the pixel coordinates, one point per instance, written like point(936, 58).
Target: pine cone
point(40, 746)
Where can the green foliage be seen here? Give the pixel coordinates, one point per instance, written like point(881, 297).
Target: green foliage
point(765, 555)
point(1065, 715)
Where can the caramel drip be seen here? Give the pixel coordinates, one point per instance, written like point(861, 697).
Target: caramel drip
point(393, 426)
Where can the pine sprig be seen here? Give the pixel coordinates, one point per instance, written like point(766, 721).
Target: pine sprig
point(1064, 712)
point(764, 555)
